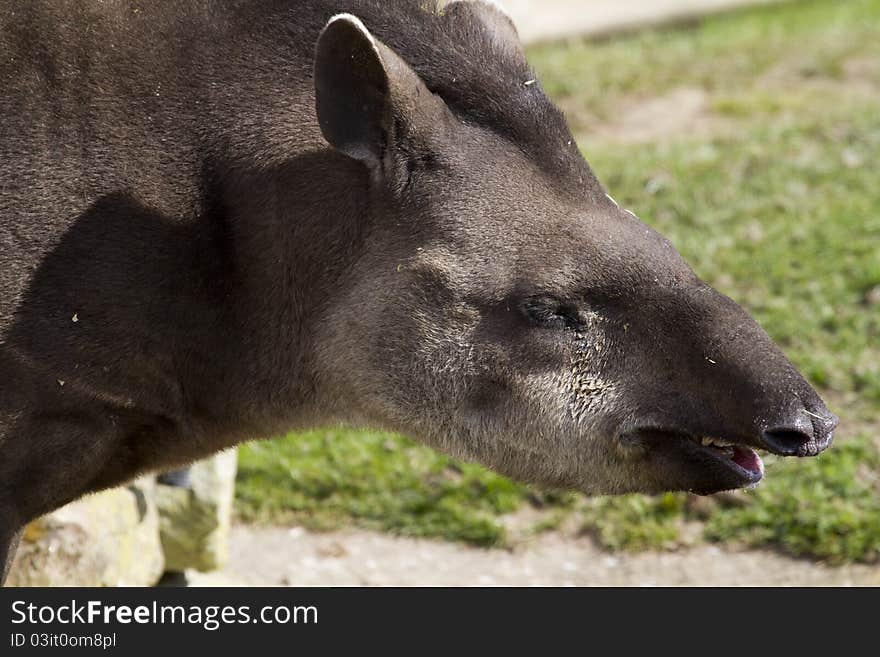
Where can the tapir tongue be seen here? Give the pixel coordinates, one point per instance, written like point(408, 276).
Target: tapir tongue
point(748, 459)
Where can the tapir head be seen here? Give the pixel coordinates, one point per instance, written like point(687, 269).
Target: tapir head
point(504, 309)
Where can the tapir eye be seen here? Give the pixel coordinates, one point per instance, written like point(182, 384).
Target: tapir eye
point(549, 312)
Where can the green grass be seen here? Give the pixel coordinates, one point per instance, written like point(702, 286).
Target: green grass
point(635, 522)
point(380, 481)
point(826, 507)
point(779, 223)
point(776, 203)
point(721, 55)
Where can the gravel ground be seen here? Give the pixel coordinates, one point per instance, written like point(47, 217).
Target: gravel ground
point(284, 556)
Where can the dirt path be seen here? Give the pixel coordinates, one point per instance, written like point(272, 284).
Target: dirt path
point(542, 20)
point(295, 557)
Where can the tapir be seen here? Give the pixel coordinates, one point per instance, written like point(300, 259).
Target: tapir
point(223, 220)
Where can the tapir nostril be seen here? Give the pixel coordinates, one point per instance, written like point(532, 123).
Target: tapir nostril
point(807, 434)
point(787, 441)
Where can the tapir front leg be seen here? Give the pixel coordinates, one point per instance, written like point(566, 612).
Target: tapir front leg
point(50, 459)
point(9, 539)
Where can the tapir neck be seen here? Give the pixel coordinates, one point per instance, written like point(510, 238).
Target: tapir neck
point(294, 232)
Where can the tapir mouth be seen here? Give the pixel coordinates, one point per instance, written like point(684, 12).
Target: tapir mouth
point(739, 459)
point(714, 464)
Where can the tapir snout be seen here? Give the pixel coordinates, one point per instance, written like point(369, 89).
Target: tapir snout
point(711, 383)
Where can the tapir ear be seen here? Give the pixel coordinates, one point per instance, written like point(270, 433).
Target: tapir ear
point(363, 91)
point(494, 18)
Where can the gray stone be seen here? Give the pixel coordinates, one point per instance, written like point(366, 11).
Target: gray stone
point(195, 521)
point(107, 539)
